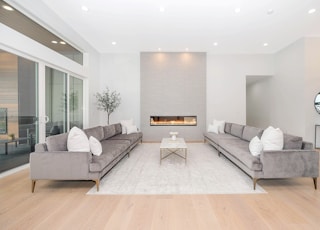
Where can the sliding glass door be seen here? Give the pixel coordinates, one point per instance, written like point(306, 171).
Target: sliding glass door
point(64, 102)
point(18, 109)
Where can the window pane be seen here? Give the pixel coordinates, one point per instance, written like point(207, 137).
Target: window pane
point(56, 101)
point(76, 102)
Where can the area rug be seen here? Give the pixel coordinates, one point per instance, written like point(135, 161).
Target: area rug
point(204, 173)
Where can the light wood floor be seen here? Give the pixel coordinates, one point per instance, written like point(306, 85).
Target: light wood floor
point(289, 204)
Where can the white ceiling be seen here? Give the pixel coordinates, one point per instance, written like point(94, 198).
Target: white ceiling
point(139, 25)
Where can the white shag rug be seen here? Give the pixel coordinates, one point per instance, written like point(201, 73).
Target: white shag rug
point(204, 173)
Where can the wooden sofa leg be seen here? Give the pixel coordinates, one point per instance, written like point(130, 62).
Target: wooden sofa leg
point(33, 185)
point(255, 180)
point(97, 184)
point(315, 182)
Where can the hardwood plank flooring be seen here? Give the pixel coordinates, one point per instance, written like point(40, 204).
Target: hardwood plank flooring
point(288, 204)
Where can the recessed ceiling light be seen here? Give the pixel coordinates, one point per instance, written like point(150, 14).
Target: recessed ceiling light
point(159, 49)
point(186, 49)
point(54, 42)
point(311, 11)
point(162, 9)
point(114, 43)
point(62, 42)
point(6, 7)
point(270, 11)
point(237, 10)
point(84, 8)
point(265, 44)
point(215, 43)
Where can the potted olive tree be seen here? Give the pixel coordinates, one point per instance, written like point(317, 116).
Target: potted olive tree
point(108, 101)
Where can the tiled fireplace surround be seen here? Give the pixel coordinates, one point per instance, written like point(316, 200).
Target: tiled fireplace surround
point(173, 84)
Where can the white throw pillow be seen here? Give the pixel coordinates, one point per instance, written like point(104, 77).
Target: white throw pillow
point(132, 129)
point(77, 141)
point(213, 129)
point(272, 139)
point(255, 146)
point(220, 124)
point(124, 124)
point(95, 146)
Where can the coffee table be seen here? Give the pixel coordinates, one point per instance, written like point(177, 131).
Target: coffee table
point(177, 147)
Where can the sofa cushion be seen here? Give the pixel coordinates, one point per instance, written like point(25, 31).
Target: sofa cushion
point(236, 130)
point(95, 146)
point(272, 139)
point(213, 129)
point(57, 142)
point(220, 124)
point(132, 138)
point(124, 124)
point(250, 132)
point(240, 150)
point(291, 142)
point(109, 131)
point(96, 132)
point(214, 137)
point(111, 149)
point(118, 128)
point(77, 141)
point(255, 146)
point(227, 127)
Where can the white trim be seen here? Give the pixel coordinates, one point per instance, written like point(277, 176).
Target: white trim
point(14, 170)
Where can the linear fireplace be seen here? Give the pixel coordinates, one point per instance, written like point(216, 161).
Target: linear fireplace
point(173, 120)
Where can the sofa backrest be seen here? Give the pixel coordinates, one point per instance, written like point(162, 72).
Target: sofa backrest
point(96, 132)
point(57, 142)
point(236, 130)
point(291, 142)
point(227, 127)
point(250, 132)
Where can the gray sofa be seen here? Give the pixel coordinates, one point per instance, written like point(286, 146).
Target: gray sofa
point(52, 160)
point(297, 159)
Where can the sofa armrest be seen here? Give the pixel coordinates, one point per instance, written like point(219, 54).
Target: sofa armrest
point(290, 163)
point(40, 147)
point(60, 165)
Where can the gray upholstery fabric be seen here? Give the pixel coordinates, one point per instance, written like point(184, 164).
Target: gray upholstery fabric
point(250, 132)
point(96, 132)
point(240, 150)
point(118, 128)
point(291, 142)
point(290, 163)
point(236, 130)
point(57, 142)
point(133, 137)
point(217, 137)
point(227, 127)
point(109, 131)
point(111, 150)
point(307, 145)
point(40, 147)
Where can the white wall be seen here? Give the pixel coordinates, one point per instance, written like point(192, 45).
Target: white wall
point(258, 103)
point(226, 84)
point(312, 85)
point(121, 72)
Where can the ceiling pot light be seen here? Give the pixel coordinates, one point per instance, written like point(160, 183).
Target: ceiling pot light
point(62, 42)
point(237, 10)
point(162, 9)
point(114, 43)
point(215, 43)
point(270, 11)
point(84, 8)
point(265, 44)
point(54, 42)
point(311, 11)
point(6, 7)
